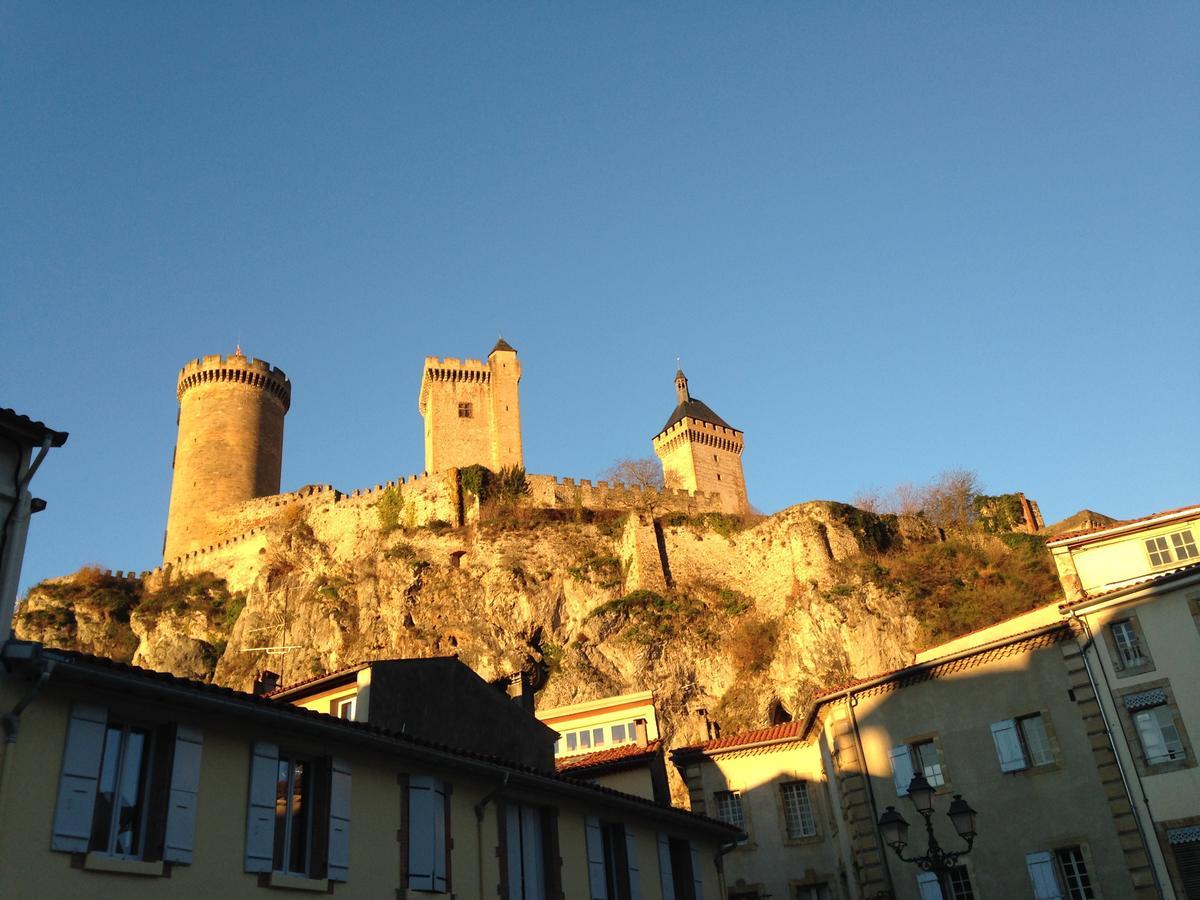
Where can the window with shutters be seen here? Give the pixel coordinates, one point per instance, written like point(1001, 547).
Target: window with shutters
point(1154, 727)
point(958, 884)
point(680, 869)
point(1159, 735)
point(426, 823)
point(528, 853)
point(127, 790)
point(799, 821)
point(298, 819)
point(1023, 743)
point(613, 871)
point(346, 707)
point(1060, 874)
point(1128, 644)
point(922, 756)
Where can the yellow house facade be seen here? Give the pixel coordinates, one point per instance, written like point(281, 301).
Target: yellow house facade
point(118, 782)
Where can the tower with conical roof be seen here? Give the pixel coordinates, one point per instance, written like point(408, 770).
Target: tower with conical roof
point(701, 452)
point(472, 411)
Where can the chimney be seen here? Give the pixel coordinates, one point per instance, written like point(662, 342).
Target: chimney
point(265, 682)
point(520, 691)
point(639, 730)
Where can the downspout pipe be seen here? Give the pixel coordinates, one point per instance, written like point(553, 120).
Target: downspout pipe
point(719, 862)
point(1137, 816)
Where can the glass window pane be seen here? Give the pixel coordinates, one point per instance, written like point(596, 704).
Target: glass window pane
point(106, 790)
point(930, 765)
point(618, 733)
point(282, 795)
point(585, 739)
point(129, 795)
point(597, 737)
point(1034, 731)
point(572, 741)
point(298, 832)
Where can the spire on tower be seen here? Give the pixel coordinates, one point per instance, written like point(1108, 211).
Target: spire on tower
point(681, 387)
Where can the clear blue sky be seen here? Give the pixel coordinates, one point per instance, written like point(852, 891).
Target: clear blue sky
point(885, 239)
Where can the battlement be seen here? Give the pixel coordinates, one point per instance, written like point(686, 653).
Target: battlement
point(565, 493)
point(238, 369)
point(698, 432)
point(451, 363)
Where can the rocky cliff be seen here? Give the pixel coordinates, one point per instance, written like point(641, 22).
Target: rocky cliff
point(712, 612)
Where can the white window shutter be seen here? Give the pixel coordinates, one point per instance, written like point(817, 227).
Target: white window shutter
point(339, 820)
point(440, 855)
point(78, 778)
point(185, 788)
point(512, 827)
point(260, 816)
point(422, 840)
point(697, 874)
point(666, 875)
point(1008, 746)
point(595, 857)
point(1043, 877)
point(902, 769)
point(929, 886)
point(532, 856)
point(635, 877)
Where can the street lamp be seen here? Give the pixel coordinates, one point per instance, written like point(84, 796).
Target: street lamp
point(894, 829)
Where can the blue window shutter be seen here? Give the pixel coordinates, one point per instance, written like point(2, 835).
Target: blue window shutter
point(260, 814)
point(512, 833)
point(902, 769)
point(422, 831)
point(1043, 877)
point(697, 875)
point(533, 860)
point(441, 855)
point(185, 788)
point(929, 886)
point(595, 858)
point(78, 778)
point(1008, 746)
point(635, 877)
point(665, 873)
point(339, 821)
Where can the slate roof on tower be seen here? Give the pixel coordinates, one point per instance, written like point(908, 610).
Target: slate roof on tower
point(502, 344)
point(696, 409)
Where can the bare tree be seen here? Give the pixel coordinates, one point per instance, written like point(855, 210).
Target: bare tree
point(645, 473)
point(948, 500)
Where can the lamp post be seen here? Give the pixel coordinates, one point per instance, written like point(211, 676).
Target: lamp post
point(894, 829)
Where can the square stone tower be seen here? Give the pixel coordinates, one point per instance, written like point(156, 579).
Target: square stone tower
point(472, 411)
point(701, 452)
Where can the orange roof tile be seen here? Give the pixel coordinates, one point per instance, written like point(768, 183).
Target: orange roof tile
point(623, 753)
point(786, 731)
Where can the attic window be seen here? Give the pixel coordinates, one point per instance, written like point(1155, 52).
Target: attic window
point(464, 411)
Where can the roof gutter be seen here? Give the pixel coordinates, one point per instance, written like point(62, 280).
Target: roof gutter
point(69, 670)
point(1172, 579)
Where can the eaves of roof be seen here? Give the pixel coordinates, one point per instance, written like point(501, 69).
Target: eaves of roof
point(30, 429)
point(1152, 581)
point(95, 671)
point(787, 732)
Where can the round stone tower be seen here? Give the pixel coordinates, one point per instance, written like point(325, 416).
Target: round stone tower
point(229, 448)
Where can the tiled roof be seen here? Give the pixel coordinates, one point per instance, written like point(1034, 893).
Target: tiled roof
point(786, 731)
point(288, 688)
point(1114, 526)
point(302, 715)
point(34, 429)
point(625, 753)
point(1152, 579)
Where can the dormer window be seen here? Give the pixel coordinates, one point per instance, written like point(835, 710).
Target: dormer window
point(1172, 548)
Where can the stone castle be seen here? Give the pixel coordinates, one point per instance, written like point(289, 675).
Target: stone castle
point(229, 451)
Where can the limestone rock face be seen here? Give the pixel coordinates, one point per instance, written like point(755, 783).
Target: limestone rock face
point(706, 610)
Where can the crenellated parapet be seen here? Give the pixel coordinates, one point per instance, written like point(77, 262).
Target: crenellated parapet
point(236, 369)
point(451, 370)
point(699, 432)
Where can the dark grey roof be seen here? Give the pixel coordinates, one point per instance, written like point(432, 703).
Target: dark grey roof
point(502, 344)
point(34, 431)
point(696, 409)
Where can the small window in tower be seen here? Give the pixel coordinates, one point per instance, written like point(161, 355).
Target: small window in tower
point(464, 410)
point(718, 476)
